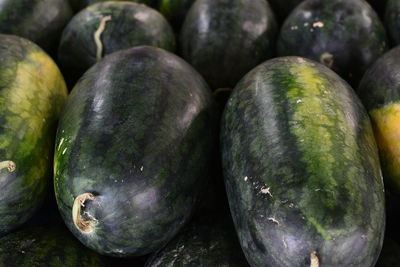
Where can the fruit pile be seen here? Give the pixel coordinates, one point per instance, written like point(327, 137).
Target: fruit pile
point(199, 133)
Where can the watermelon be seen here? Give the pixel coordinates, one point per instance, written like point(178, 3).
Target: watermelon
point(104, 28)
point(134, 148)
point(346, 36)
point(379, 91)
point(301, 168)
point(224, 39)
point(40, 21)
point(32, 93)
point(46, 246)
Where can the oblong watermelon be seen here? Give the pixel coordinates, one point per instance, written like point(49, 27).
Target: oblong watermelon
point(133, 150)
point(40, 21)
point(379, 91)
point(104, 28)
point(46, 246)
point(347, 36)
point(301, 168)
point(32, 93)
point(224, 39)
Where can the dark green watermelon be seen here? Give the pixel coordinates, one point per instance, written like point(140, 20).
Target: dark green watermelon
point(40, 21)
point(32, 93)
point(392, 21)
point(133, 150)
point(224, 39)
point(346, 36)
point(81, 4)
point(175, 11)
point(46, 246)
point(379, 91)
point(301, 168)
point(104, 28)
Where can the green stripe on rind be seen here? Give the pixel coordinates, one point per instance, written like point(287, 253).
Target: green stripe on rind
point(145, 160)
point(301, 168)
point(31, 96)
point(45, 246)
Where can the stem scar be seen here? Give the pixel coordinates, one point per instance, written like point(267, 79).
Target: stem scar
point(314, 261)
point(85, 226)
point(10, 165)
point(97, 34)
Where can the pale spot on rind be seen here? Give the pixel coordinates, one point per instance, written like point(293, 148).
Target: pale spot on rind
point(318, 24)
point(266, 191)
point(273, 220)
point(301, 60)
point(61, 142)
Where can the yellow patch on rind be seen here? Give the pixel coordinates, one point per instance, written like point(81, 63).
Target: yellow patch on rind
point(386, 126)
